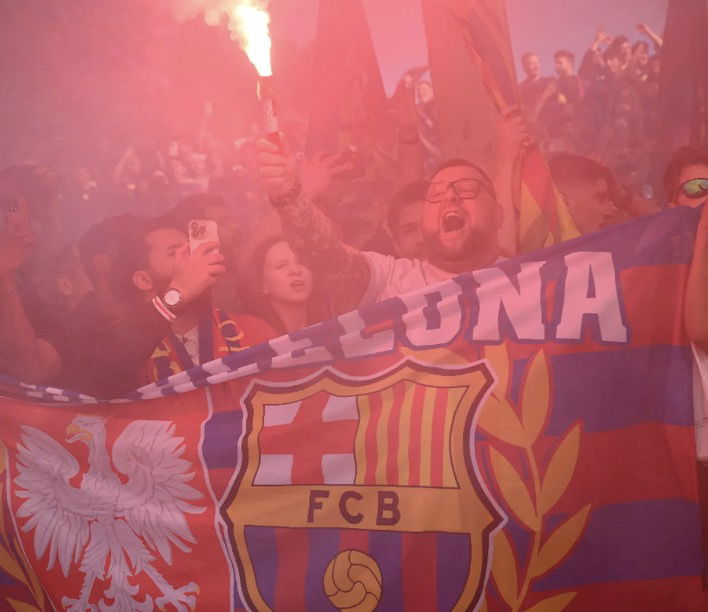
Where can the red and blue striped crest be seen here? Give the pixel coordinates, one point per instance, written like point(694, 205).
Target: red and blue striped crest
point(364, 466)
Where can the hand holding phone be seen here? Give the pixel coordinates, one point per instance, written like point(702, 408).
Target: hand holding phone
point(201, 231)
point(16, 235)
point(196, 271)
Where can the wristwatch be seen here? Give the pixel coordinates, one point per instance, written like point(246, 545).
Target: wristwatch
point(172, 298)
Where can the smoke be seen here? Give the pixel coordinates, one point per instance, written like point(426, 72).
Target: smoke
point(247, 20)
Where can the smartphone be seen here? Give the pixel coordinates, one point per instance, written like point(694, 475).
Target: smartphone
point(355, 158)
point(201, 231)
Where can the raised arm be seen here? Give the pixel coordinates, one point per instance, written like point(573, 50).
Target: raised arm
point(22, 354)
point(655, 38)
point(411, 153)
point(308, 229)
point(512, 139)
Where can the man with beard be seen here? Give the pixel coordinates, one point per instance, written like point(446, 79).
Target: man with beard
point(214, 208)
point(158, 269)
point(460, 223)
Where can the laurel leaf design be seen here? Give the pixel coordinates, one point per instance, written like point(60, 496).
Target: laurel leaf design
point(499, 420)
point(3, 467)
point(504, 569)
point(3, 458)
point(498, 357)
point(19, 606)
point(35, 587)
point(536, 396)
point(10, 565)
point(514, 491)
point(560, 542)
point(553, 604)
point(560, 470)
point(3, 531)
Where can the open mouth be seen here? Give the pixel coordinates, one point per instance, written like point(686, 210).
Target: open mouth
point(297, 285)
point(452, 221)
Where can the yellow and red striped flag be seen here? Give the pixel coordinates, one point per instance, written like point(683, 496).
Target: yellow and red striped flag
point(473, 73)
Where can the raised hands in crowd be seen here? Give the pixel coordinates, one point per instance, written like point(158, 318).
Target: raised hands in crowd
point(25, 194)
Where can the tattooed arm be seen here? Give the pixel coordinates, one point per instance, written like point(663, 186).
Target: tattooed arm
point(344, 270)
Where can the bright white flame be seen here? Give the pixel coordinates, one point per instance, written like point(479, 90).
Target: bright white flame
point(249, 22)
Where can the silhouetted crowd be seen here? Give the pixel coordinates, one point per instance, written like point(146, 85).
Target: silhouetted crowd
point(604, 108)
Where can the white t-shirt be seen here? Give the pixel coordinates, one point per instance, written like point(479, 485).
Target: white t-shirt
point(700, 402)
point(393, 276)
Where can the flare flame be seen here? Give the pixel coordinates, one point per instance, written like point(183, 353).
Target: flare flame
point(247, 20)
point(249, 23)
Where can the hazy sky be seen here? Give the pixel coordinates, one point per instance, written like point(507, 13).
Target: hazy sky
point(541, 25)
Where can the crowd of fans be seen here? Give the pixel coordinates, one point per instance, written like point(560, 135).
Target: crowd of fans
point(102, 288)
point(605, 109)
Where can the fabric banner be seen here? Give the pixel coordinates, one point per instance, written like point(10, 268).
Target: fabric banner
point(519, 437)
point(349, 108)
point(469, 42)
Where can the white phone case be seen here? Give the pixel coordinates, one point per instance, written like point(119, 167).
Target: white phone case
point(201, 231)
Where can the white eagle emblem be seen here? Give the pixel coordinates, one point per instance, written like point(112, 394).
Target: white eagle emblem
point(110, 528)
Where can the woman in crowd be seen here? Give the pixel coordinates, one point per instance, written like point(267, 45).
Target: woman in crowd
point(283, 290)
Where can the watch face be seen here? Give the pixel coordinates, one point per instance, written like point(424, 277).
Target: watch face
point(172, 297)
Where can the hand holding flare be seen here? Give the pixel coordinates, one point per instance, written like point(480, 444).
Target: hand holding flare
point(248, 22)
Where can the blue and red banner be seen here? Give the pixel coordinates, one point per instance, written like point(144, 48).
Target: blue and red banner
point(518, 438)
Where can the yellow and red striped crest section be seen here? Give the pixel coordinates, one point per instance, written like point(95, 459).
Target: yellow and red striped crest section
point(404, 435)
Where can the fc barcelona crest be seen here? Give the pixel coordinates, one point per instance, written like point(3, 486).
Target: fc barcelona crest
point(357, 493)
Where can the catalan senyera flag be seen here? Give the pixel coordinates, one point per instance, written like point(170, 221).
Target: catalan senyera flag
point(473, 73)
point(348, 108)
point(516, 438)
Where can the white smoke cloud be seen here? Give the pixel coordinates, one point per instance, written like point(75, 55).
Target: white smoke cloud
point(247, 20)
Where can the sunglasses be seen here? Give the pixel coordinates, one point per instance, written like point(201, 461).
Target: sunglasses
point(467, 189)
point(695, 188)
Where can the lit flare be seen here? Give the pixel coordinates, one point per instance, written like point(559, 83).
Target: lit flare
point(249, 23)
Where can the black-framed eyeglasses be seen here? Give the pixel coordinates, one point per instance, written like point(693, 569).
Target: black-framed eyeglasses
point(466, 189)
point(695, 188)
